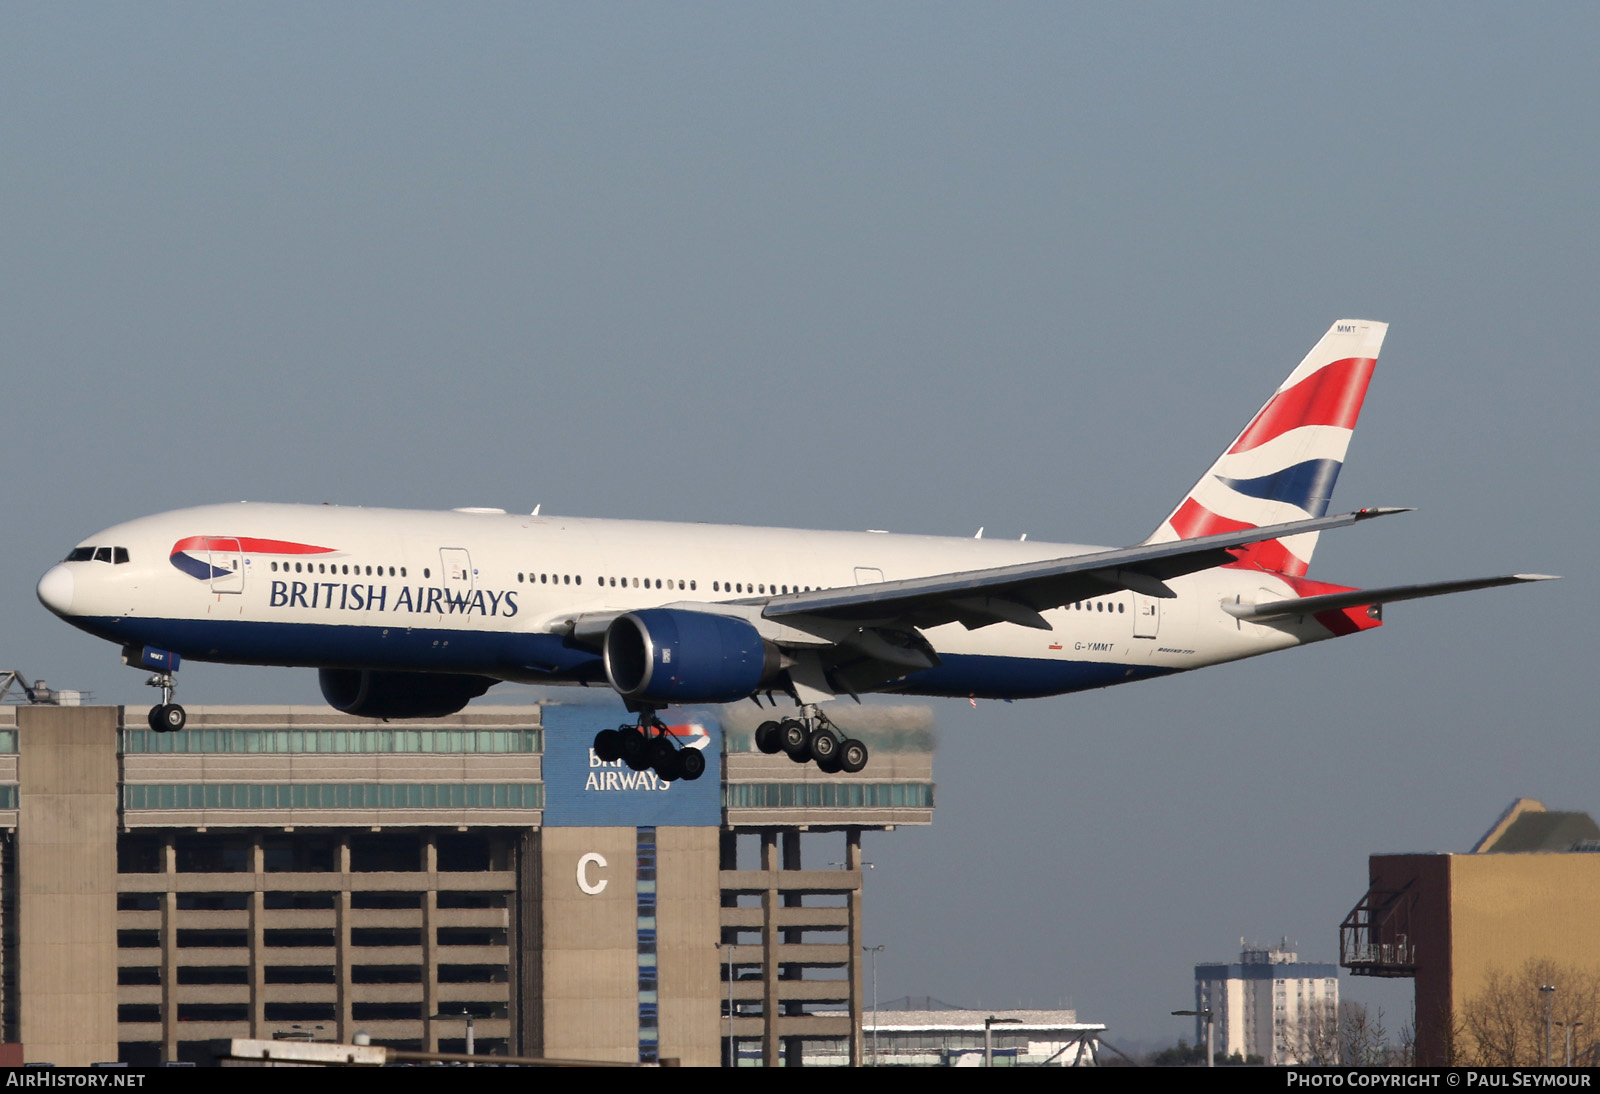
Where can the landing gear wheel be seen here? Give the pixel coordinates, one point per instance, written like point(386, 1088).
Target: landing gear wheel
point(795, 740)
point(852, 756)
point(691, 763)
point(769, 738)
point(823, 744)
point(635, 750)
point(668, 767)
point(832, 765)
point(168, 718)
point(608, 745)
point(661, 751)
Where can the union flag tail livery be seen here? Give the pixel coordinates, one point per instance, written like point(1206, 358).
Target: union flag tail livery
point(412, 614)
point(1284, 464)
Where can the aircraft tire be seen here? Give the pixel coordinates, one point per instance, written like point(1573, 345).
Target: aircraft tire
point(852, 756)
point(769, 738)
point(832, 765)
point(608, 745)
point(823, 744)
point(635, 750)
point(692, 763)
point(668, 767)
point(168, 718)
point(796, 742)
point(661, 751)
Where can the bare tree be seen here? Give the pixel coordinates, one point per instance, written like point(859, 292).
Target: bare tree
point(1505, 1025)
point(1317, 1035)
point(1363, 1038)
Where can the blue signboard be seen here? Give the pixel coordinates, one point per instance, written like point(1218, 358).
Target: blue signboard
point(582, 790)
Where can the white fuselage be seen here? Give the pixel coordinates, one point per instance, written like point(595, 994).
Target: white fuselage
point(495, 594)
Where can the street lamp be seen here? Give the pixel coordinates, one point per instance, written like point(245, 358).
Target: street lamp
point(1568, 1027)
point(1211, 1055)
point(988, 1035)
point(1549, 993)
point(457, 1017)
point(874, 951)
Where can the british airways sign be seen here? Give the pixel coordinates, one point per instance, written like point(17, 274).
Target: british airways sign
point(582, 790)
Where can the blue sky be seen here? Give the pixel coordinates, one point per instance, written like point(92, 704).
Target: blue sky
point(907, 266)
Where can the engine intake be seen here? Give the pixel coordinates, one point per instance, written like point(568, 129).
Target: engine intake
point(670, 655)
point(369, 693)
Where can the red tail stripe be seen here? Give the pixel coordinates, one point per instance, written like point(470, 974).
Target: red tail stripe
point(1193, 520)
point(260, 546)
point(1330, 396)
point(1343, 621)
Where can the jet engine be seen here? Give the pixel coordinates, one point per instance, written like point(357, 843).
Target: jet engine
point(369, 693)
point(662, 655)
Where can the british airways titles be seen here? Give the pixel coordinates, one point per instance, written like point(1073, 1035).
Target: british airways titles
point(346, 596)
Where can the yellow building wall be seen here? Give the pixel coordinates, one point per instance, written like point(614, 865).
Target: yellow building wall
point(1508, 909)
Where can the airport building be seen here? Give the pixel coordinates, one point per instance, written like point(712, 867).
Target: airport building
point(293, 872)
point(1511, 923)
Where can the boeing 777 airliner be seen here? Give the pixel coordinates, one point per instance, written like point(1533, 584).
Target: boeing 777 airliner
point(412, 614)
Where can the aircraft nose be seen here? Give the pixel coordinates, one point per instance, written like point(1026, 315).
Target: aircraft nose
point(55, 589)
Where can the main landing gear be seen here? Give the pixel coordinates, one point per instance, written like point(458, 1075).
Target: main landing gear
point(649, 746)
point(812, 737)
point(166, 716)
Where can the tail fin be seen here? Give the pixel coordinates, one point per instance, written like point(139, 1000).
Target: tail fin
point(1283, 466)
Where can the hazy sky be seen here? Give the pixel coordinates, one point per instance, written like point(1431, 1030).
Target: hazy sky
point(907, 266)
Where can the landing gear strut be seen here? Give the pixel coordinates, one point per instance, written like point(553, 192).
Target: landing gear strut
point(650, 746)
point(812, 736)
point(166, 716)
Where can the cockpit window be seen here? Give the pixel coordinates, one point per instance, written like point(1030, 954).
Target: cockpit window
point(113, 555)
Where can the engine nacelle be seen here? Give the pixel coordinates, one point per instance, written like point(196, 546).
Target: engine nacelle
point(369, 693)
point(668, 655)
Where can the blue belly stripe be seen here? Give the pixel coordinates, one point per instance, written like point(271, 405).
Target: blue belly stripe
point(536, 657)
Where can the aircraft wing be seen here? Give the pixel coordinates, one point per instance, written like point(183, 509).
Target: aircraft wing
point(1307, 605)
point(1018, 593)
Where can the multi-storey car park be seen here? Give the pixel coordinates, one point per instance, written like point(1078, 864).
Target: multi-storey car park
point(293, 872)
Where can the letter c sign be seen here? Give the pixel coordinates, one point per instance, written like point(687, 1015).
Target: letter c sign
point(593, 888)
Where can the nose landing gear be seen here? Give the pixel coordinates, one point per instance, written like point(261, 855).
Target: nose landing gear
point(812, 737)
point(166, 716)
point(650, 746)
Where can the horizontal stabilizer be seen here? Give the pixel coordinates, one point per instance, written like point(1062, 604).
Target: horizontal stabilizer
point(1307, 605)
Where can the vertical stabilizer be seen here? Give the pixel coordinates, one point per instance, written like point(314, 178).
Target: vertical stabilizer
point(1284, 464)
